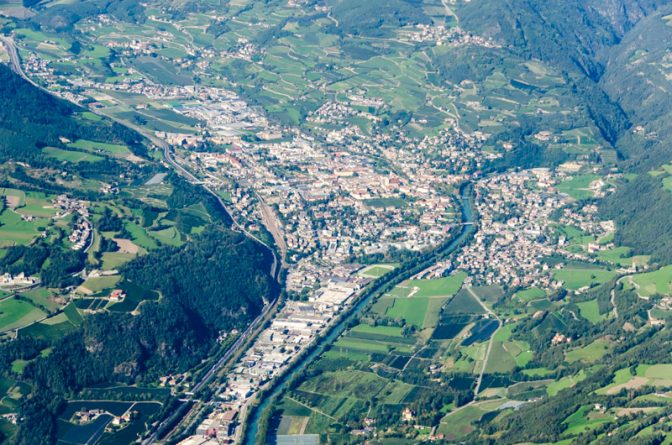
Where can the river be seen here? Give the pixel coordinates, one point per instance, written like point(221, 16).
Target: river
point(255, 416)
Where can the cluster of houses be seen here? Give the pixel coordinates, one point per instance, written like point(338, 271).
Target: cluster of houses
point(19, 280)
point(442, 35)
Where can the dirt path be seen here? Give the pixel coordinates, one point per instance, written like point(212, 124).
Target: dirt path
point(492, 340)
point(613, 302)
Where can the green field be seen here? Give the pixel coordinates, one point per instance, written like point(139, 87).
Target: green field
point(585, 420)
point(70, 155)
point(501, 360)
point(411, 310)
point(100, 147)
point(40, 297)
point(15, 230)
point(577, 278)
point(140, 236)
point(529, 294)
point(565, 382)
point(37, 205)
point(578, 187)
point(369, 346)
point(443, 287)
point(590, 310)
point(651, 283)
point(376, 271)
point(113, 260)
point(590, 353)
point(461, 423)
point(391, 331)
point(18, 197)
point(98, 284)
point(622, 256)
point(15, 313)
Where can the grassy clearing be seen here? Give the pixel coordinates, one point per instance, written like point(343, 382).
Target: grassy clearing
point(100, 147)
point(411, 310)
point(529, 294)
point(16, 231)
point(113, 260)
point(98, 284)
point(590, 310)
point(578, 187)
point(537, 372)
point(585, 420)
point(140, 236)
point(361, 345)
point(391, 331)
point(15, 198)
point(622, 256)
point(565, 382)
point(40, 297)
point(459, 424)
point(346, 384)
point(500, 359)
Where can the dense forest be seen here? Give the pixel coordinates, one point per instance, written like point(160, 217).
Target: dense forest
point(641, 209)
point(215, 278)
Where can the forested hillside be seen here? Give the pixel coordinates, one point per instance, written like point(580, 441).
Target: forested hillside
point(31, 119)
point(215, 278)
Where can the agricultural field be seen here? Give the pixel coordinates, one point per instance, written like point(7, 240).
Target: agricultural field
point(651, 283)
point(16, 313)
point(459, 424)
point(438, 287)
point(70, 155)
point(658, 375)
point(578, 278)
point(590, 310)
point(528, 295)
point(106, 149)
point(590, 353)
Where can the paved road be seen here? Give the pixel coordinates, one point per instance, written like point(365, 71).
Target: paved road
point(15, 61)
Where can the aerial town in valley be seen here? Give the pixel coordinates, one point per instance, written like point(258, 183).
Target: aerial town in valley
point(336, 195)
point(353, 159)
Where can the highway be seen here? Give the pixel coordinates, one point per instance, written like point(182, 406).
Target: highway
point(15, 61)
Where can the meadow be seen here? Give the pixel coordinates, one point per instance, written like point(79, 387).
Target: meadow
point(577, 278)
point(16, 313)
point(651, 283)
